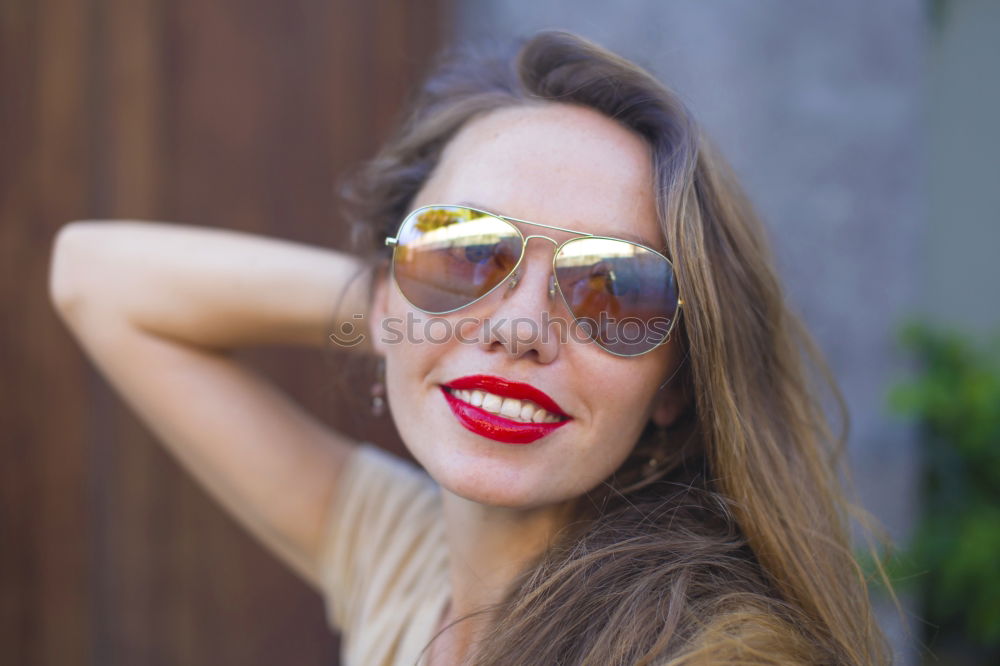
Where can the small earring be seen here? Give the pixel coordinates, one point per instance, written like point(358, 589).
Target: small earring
point(657, 458)
point(378, 389)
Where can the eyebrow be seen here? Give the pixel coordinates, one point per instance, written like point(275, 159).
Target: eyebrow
point(619, 234)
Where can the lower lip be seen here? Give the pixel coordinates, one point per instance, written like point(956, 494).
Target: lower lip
point(496, 427)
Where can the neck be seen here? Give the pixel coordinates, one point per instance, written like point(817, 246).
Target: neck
point(488, 547)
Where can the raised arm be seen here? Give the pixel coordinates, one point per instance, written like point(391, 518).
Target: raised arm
point(157, 307)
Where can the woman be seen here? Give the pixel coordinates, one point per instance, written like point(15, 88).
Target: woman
point(585, 347)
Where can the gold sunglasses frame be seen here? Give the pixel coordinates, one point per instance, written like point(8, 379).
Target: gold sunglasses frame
point(393, 242)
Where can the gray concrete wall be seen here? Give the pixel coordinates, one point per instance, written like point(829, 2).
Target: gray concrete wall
point(819, 107)
point(963, 252)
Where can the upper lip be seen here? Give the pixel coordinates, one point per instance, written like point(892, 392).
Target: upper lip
point(507, 388)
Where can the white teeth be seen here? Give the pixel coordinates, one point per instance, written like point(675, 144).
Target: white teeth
point(491, 403)
point(512, 408)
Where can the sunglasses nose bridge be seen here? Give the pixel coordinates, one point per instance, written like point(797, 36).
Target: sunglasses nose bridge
point(517, 271)
point(551, 240)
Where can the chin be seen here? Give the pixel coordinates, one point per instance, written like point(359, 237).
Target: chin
point(489, 482)
point(487, 497)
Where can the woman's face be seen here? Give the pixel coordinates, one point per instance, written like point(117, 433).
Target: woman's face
point(561, 165)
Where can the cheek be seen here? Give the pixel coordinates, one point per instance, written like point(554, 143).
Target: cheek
point(407, 362)
point(411, 396)
point(629, 400)
point(414, 344)
point(402, 331)
point(636, 379)
point(625, 388)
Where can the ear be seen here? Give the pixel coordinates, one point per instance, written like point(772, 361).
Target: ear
point(667, 410)
point(671, 401)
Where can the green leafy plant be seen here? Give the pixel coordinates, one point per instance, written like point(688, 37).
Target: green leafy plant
point(953, 560)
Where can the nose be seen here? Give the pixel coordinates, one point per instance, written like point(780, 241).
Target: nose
point(525, 322)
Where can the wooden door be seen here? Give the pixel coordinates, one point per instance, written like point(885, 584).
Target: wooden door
point(233, 113)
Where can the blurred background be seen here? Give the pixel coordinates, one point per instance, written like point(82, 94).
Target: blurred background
point(866, 133)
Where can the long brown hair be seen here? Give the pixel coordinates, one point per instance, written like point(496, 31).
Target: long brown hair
point(735, 548)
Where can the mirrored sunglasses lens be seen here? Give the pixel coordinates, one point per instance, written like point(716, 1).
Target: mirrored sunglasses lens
point(623, 295)
point(446, 257)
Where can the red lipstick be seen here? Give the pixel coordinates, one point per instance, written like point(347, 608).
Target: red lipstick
point(494, 426)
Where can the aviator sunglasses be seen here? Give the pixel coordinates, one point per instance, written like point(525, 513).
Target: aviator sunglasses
point(622, 294)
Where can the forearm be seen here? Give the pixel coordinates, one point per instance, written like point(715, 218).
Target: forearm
point(205, 286)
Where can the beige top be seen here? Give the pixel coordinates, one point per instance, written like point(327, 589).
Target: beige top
point(385, 562)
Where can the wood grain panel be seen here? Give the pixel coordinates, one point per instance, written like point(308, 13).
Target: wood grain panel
point(238, 114)
point(44, 562)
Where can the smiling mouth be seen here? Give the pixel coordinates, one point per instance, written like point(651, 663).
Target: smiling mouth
point(514, 409)
point(496, 425)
